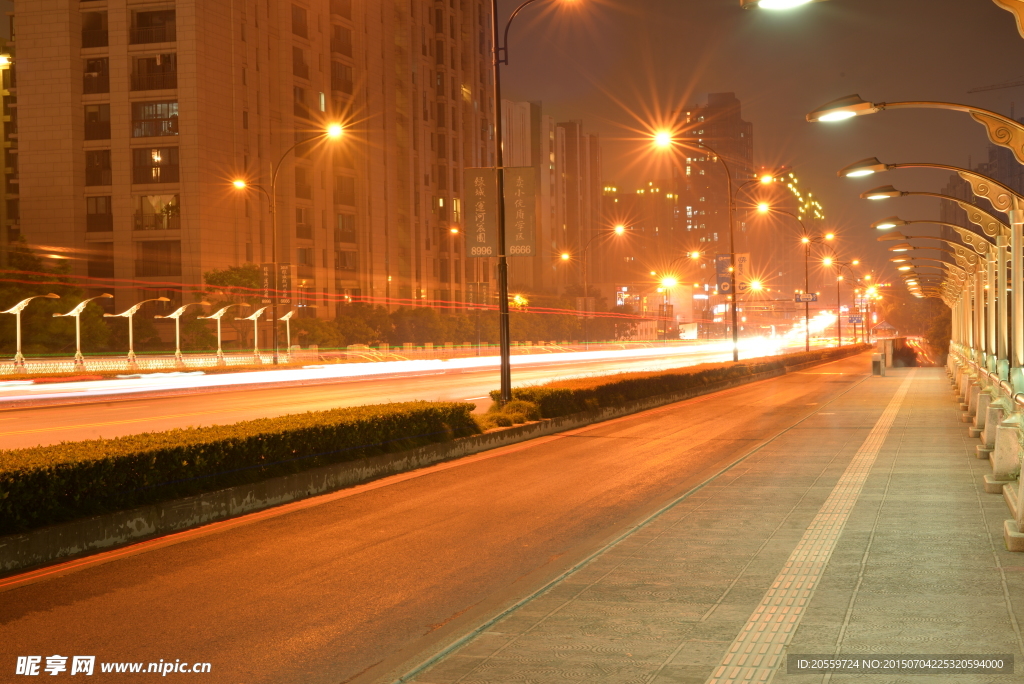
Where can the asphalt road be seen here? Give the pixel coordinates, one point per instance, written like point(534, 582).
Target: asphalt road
point(122, 415)
point(361, 584)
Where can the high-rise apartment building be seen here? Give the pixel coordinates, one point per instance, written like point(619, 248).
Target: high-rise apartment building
point(135, 116)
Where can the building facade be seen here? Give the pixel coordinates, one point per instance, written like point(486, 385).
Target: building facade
point(134, 117)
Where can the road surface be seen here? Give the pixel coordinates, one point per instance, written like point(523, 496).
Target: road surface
point(361, 583)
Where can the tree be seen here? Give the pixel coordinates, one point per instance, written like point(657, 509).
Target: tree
point(235, 285)
point(41, 333)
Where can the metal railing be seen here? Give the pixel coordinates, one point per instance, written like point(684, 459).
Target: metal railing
point(153, 34)
point(161, 81)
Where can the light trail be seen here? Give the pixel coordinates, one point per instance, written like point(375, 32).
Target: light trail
point(16, 392)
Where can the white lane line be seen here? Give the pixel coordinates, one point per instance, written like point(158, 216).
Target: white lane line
point(757, 651)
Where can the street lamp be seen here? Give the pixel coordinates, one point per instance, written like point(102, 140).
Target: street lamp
point(806, 241)
point(77, 313)
point(129, 313)
point(19, 359)
point(254, 317)
point(217, 316)
point(499, 55)
point(287, 318)
point(665, 140)
point(775, 4)
point(617, 230)
point(179, 361)
point(333, 131)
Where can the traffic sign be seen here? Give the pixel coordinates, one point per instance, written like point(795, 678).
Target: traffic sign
point(806, 297)
point(856, 319)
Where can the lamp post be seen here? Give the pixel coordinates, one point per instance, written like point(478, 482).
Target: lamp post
point(840, 265)
point(499, 54)
point(254, 317)
point(19, 359)
point(217, 316)
point(665, 140)
point(77, 313)
point(129, 313)
point(179, 360)
point(775, 4)
point(287, 318)
point(333, 131)
point(617, 230)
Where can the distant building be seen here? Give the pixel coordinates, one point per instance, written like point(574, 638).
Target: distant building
point(133, 119)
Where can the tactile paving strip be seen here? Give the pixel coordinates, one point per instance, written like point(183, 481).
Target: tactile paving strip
point(758, 651)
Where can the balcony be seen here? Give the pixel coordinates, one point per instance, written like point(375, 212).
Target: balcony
point(96, 83)
point(97, 130)
point(99, 222)
point(157, 221)
point(98, 176)
point(153, 128)
point(155, 174)
point(158, 81)
point(93, 38)
point(153, 34)
point(304, 231)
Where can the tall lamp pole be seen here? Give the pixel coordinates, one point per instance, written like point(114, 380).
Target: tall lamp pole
point(129, 313)
point(179, 360)
point(19, 360)
point(77, 313)
point(499, 53)
point(333, 132)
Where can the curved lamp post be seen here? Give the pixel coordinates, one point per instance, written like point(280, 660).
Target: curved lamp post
point(179, 360)
point(77, 313)
point(806, 241)
point(1002, 130)
point(287, 318)
point(19, 359)
point(839, 266)
point(217, 316)
point(254, 317)
point(129, 313)
point(617, 230)
point(333, 131)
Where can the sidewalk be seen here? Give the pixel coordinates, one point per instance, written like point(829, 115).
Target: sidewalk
point(865, 529)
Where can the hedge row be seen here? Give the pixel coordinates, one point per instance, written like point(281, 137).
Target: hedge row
point(565, 397)
point(45, 485)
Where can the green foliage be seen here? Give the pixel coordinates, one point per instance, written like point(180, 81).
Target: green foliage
point(233, 285)
point(41, 333)
point(565, 397)
point(45, 485)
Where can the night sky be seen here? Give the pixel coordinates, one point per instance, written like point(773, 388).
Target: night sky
point(619, 65)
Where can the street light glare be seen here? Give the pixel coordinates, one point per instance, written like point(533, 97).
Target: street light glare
point(620, 229)
point(805, 240)
point(453, 230)
point(239, 183)
point(335, 131)
point(695, 255)
point(827, 261)
point(774, 4)
point(842, 109)
point(830, 236)
point(663, 139)
point(764, 207)
point(767, 179)
point(669, 282)
point(864, 167)
point(565, 256)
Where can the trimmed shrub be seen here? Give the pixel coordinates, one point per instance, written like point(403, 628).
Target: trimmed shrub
point(565, 397)
point(45, 485)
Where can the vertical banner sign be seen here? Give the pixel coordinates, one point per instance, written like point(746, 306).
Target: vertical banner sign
point(481, 212)
point(520, 211)
point(284, 284)
point(722, 264)
point(268, 284)
point(743, 273)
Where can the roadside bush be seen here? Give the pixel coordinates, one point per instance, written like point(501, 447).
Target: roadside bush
point(565, 397)
point(45, 485)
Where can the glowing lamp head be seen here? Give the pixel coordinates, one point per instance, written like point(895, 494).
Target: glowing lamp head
point(453, 230)
point(695, 255)
point(767, 179)
point(763, 208)
point(776, 5)
point(565, 256)
point(669, 282)
point(620, 229)
point(827, 261)
point(335, 131)
point(756, 285)
point(663, 139)
point(855, 262)
point(842, 109)
point(881, 192)
point(805, 240)
point(865, 167)
point(904, 268)
point(888, 223)
point(240, 184)
point(830, 236)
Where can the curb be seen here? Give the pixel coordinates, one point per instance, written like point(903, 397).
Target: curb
point(64, 541)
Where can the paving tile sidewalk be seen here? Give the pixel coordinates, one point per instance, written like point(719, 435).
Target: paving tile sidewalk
point(919, 567)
